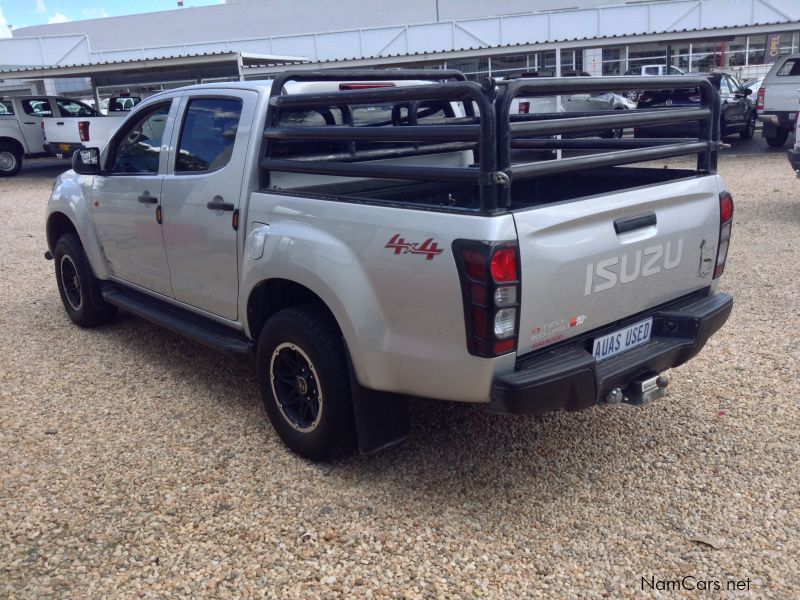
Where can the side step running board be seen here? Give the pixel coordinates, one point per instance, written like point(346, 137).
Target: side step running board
point(200, 329)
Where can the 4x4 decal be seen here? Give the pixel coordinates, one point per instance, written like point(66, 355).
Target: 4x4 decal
point(429, 247)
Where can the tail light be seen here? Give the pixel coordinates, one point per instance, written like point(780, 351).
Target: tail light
point(725, 223)
point(524, 108)
point(762, 92)
point(490, 286)
point(83, 130)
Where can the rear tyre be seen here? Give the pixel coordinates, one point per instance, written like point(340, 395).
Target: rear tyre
point(779, 139)
point(77, 285)
point(10, 160)
point(748, 131)
point(305, 383)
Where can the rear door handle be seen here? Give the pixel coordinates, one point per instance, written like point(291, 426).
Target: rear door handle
point(218, 204)
point(146, 198)
point(29, 122)
point(624, 224)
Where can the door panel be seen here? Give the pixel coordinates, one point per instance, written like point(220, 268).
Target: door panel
point(34, 110)
point(126, 201)
point(200, 196)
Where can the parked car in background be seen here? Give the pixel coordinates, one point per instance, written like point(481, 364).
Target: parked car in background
point(655, 70)
point(21, 133)
point(794, 153)
point(650, 70)
point(737, 110)
point(573, 103)
point(78, 126)
point(779, 100)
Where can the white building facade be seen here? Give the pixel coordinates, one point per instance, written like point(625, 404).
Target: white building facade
point(491, 37)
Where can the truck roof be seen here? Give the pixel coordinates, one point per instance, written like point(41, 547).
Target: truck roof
point(293, 87)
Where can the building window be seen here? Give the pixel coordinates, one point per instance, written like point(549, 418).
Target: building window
point(612, 63)
point(506, 65)
point(473, 68)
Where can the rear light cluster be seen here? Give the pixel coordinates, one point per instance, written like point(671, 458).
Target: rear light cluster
point(83, 130)
point(524, 108)
point(725, 223)
point(490, 286)
point(761, 95)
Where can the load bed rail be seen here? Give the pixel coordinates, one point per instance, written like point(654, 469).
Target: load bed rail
point(334, 144)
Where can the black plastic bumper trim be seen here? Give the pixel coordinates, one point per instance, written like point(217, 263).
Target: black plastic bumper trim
point(569, 378)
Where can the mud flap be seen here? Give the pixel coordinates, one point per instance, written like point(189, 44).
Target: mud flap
point(382, 418)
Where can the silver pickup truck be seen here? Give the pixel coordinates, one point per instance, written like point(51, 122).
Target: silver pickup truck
point(369, 236)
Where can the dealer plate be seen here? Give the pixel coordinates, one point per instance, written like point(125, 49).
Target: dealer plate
point(63, 147)
point(622, 340)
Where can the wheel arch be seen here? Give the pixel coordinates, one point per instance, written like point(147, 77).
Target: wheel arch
point(272, 295)
point(58, 224)
point(14, 143)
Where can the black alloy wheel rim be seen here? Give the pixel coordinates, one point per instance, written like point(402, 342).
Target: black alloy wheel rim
point(296, 387)
point(71, 282)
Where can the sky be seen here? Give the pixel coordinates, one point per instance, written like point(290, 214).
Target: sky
point(23, 13)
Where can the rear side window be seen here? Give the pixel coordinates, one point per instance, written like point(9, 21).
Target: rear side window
point(208, 134)
point(791, 68)
point(72, 108)
point(37, 107)
point(6, 108)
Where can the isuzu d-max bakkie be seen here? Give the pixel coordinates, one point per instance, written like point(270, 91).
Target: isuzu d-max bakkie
point(370, 236)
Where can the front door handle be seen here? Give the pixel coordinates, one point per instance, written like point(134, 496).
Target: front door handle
point(218, 204)
point(146, 198)
point(29, 122)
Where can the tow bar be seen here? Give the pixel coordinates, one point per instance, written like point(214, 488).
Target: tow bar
point(640, 390)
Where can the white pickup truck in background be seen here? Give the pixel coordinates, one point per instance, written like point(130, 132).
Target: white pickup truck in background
point(21, 133)
point(78, 126)
point(778, 100)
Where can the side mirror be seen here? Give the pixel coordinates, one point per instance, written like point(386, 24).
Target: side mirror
point(86, 161)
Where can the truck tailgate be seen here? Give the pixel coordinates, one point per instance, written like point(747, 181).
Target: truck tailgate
point(590, 262)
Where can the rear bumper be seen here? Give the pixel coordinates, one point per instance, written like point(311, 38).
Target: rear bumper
point(61, 150)
point(568, 377)
point(794, 159)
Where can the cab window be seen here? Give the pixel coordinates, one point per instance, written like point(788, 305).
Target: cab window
point(73, 108)
point(6, 108)
point(37, 107)
point(138, 147)
point(208, 134)
point(790, 68)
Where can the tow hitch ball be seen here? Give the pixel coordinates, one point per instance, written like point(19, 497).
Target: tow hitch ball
point(641, 390)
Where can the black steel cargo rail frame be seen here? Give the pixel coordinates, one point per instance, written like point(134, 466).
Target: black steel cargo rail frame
point(494, 133)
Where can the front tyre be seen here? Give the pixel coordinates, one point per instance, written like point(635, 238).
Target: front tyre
point(77, 285)
point(305, 385)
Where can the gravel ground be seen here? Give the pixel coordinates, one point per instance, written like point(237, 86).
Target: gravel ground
point(135, 463)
